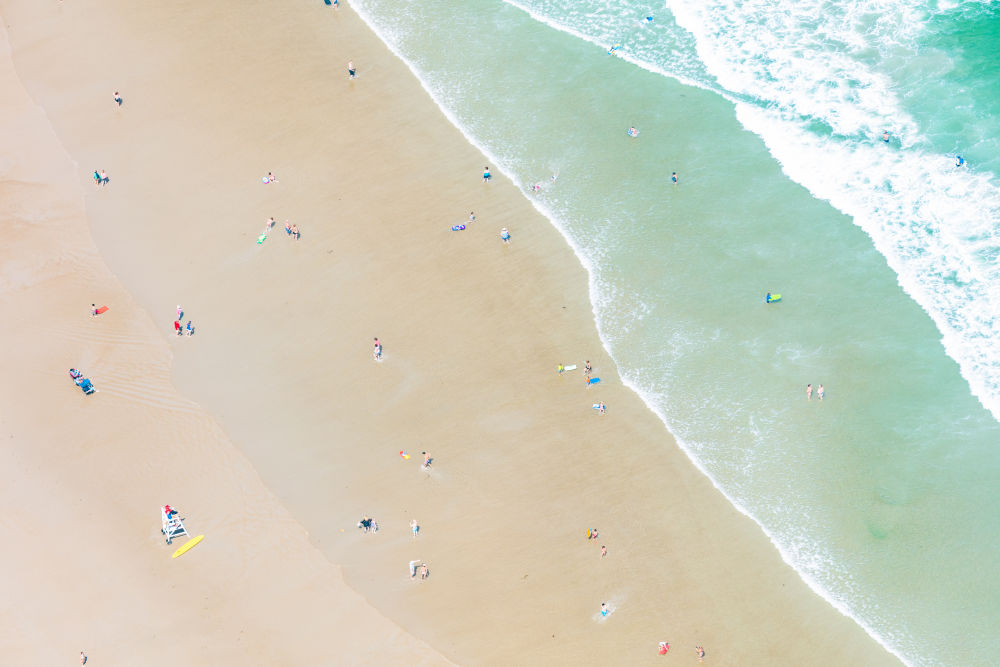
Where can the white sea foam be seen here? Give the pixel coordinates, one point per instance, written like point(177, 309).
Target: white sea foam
point(804, 77)
point(935, 225)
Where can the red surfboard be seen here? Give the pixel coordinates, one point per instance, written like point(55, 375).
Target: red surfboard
point(102, 309)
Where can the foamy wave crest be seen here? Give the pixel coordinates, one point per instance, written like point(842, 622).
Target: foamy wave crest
point(936, 226)
point(807, 74)
point(807, 77)
point(811, 58)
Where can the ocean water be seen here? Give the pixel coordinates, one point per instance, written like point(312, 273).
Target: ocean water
point(884, 495)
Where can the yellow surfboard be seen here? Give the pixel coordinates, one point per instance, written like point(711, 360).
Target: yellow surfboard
point(188, 545)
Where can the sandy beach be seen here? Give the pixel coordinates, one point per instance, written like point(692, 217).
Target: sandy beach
point(273, 429)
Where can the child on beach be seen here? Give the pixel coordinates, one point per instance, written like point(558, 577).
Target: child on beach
point(486, 174)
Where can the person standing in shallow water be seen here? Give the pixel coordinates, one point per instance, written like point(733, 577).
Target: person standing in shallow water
point(820, 392)
point(809, 392)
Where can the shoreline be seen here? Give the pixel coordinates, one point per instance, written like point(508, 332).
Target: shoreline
point(816, 587)
point(189, 374)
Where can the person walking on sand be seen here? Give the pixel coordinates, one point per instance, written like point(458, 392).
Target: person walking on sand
point(426, 465)
point(377, 351)
point(189, 328)
point(93, 310)
point(486, 174)
point(505, 235)
point(472, 216)
point(423, 571)
point(83, 658)
point(351, 72)
point(414, 527)
point(701, 653)
point(177, 327)
point(809, 392)
point(180, 313)
point(118, 98)
point(587, 369)
point(295, 232)
point(604, 551)
point(820, 392)
point(104, 177)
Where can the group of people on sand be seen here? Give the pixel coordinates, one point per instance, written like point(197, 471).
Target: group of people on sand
point(181, 329)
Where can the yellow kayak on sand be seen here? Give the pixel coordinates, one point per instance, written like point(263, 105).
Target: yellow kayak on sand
point(188, 545)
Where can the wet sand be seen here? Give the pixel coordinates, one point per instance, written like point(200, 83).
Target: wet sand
point(275, 414)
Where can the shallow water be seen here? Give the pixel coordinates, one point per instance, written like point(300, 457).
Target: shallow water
point(881, 495)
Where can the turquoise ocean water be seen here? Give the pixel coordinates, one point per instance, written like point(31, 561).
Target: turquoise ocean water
point(884, 496)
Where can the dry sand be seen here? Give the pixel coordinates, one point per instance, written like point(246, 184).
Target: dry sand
point(85, 566)
point(280, 372)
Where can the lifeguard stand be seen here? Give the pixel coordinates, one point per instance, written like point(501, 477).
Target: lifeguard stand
point(172, 524)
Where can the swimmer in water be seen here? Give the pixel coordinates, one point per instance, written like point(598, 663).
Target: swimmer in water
point(885, 136)
point(673, 177)
point(959, 161)
point(632, 132)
